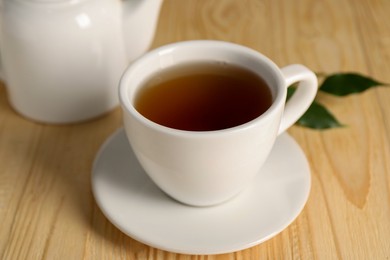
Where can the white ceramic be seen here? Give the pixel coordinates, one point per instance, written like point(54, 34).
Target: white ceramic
point(62, 59)
point(208, 168)
point(134, 204)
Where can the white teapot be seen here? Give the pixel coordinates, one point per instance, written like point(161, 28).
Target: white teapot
point(62, 60)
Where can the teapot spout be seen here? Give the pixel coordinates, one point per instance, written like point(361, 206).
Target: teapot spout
point(139, 24)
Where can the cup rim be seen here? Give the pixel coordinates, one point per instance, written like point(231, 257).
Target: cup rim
point(128, 106)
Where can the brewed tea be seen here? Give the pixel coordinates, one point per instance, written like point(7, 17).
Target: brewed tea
point(203, 97)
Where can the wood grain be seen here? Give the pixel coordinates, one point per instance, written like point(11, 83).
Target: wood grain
point(47, 210)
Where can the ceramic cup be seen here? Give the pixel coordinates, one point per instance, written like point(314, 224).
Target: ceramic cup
point(210, 167)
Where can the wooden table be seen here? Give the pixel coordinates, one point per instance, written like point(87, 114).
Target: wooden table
point(46, 205)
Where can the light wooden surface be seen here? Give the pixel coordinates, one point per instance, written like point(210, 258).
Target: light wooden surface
point(47, 210)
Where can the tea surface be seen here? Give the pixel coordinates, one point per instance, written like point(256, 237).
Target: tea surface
point(203, 97)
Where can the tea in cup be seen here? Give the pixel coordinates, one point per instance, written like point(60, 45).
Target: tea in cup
point(203, 97)
point(202, 116)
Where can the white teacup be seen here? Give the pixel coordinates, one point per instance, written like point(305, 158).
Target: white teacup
point(204, 168)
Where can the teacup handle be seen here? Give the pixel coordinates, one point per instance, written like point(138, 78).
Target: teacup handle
point(297, 105)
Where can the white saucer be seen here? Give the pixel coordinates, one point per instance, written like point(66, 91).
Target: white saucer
point(130, 200)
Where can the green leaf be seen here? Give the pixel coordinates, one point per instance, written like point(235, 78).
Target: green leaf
point(343, 84)
point(290, 91)
point(339, 84)
point(317, 116)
